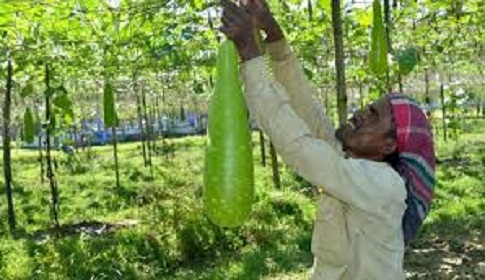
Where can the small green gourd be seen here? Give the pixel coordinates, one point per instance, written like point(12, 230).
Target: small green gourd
point(29, 132)
point(109, 105)
point(378, 52)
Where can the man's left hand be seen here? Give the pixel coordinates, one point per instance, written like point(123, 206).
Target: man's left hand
point(237, 26)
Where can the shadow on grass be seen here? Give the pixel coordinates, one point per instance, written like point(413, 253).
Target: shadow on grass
point(92, 228)
point(448, 248)
point(255, 262)
point(94, 250)
point(278, 260)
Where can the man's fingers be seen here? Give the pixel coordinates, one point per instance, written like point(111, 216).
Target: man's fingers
point(247, 3)
point(231, 18)
point(255, 3)
point(227, 21)
point(229, 5)
point(250, 6)
point(262, 4)
point(241, 19)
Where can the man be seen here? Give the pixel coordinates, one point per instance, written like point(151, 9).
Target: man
point(375, 173)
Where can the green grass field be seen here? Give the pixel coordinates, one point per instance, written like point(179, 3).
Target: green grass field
point(153, 227)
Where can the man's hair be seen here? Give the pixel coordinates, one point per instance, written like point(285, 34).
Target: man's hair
point(392, 159)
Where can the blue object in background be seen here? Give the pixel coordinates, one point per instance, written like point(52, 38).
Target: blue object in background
point(67, 149)
point(191, 119)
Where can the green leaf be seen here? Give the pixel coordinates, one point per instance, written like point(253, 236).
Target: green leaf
point(308, 73)
point(52, 120)
point(364, 17)
point(63, 104)
point(68, 119)
point(187, 33)
point(62, 100)
point(49, 92)
point(198, 88)
point(198, 4)
point(327, 6)
point(407, 60)
point(27, 90)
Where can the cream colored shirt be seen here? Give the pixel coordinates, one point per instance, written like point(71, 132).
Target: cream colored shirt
point(357, 232)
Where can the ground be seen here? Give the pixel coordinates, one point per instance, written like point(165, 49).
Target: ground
point(153, 226)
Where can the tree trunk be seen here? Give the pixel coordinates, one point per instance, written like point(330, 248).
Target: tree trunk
point(454, 132)
point(263, 150)
point(142, 130)
point(75, 132)
point(156, 118)
point(153, 138)
point(426, 92)
point(165, 145)
point(274, 167)
point(339, 61)
point(82, 138)
point(482, 99)
point(182, 113)
point(90, 146)
point(479, 106)
point(443, 108)
point(310, 11)
point(327, 103)
point(399, 77)
point(50, 172)
point(74, 126)
point(147, 126)
point(41, 160)
point(39, 138)
point(483, 109)
point(115, 154)
point(361, 94)
point(7, 164)
point(387, 16)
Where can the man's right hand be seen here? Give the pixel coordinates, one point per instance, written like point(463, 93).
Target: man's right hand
point(264, 19)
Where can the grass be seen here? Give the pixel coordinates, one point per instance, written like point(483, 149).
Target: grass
point(155, 228)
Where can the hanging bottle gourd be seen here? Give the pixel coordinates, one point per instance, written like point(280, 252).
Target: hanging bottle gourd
point(29, 132)
point(378, 51)
point(229, 175)
point(109, 105)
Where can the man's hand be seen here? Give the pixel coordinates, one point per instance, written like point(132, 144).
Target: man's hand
point(237, 26)
point(264, 19)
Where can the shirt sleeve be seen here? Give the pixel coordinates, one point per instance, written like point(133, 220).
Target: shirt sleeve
point(349, 180)
point(289, 73)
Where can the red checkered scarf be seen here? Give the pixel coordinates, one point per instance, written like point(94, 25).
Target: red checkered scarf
point(416, 161)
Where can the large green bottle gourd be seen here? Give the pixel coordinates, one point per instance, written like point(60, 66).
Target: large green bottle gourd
point(109, 105)
point(229, 173)
point(378, 52)
point(29, 131)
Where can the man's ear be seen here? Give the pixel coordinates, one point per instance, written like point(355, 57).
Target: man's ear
point(388, 146)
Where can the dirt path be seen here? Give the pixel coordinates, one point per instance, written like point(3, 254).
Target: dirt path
point(440, 258)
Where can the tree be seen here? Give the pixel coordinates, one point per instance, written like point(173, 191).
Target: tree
point(339, 61)
point(7, 164)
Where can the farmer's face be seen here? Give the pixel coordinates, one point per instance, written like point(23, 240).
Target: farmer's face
point(369, 134)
